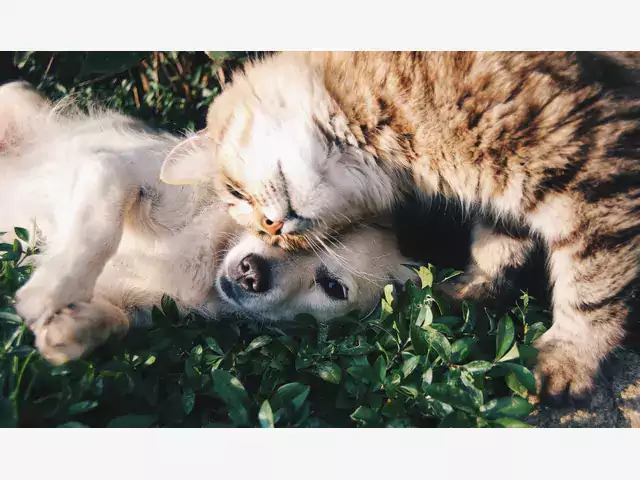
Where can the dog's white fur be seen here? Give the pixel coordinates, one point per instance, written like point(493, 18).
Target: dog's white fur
point(114, 238)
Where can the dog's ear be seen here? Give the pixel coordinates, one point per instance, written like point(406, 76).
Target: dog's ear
point(192, 161)
point(189, 162)
point(22, 108)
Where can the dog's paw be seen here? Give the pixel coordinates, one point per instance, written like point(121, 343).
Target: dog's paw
point(46, 293)
point(564, 376)
point(76, 330)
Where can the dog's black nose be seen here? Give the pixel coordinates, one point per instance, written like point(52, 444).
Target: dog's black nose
point(252, 274)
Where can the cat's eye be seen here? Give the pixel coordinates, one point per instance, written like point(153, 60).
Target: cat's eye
point(236, 193)
point(332, 287)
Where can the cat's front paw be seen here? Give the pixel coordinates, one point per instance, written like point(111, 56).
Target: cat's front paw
point(76, 331)
point(564, 376)
point(47, 292)
point(468, 287)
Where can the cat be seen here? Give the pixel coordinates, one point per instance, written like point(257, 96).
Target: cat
point(113, 239)
point(302, 144)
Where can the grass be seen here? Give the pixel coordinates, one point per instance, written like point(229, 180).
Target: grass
point(415, 363)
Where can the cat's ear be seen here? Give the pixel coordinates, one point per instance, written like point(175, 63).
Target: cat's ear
point(22, 110)
point(189, 162)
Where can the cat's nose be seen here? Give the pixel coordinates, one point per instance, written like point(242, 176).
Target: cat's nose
point(271, 227)
point(252, 274)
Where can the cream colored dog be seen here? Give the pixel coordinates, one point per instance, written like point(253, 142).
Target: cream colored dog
point(114, 239)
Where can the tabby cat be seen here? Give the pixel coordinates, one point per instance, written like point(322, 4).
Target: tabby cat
point(305, 144)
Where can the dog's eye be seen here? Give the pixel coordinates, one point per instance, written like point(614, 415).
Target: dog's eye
point(333, 288)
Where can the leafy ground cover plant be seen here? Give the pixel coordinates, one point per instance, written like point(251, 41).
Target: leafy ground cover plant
point(413, 363)
point(171, 90)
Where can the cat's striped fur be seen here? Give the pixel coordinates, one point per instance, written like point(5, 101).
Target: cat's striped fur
point(550, 142)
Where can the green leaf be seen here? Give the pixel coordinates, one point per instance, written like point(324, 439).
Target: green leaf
point(514, 384)
point(290, 395)
point(233, 394)
point(265, 415)
point(425, 316)
point(364, 414)
point(427, 377)
point(388, 294)
point(362, 372)
point(11, 318)
point(188, 400)
point(457, 419)
point(21, 351)
point(534, 332)
point(448, 320)
point(438, 342)
point(446, 274)
point(514, 407)
point(73, 425)
point(213, 345)
point(470, 387)
point(380, 368)
point(511, 354)
point(527, 353)
point(22, 234)
point(523, 375)
point(434, 408)
point(452, 395)
point(6, 247)
point(218, 56)
point(505, 338)
point(460, 349)
point(329, 372)
point(478, 367)
point(506, 422)
point(418, 340)
point(409, 365)
point(258, 342)
point(132, 421)
point(426, 276)
point(409, 390)
point(416, 295)
point(82, 407)
point(469, 316)
point(8, 418)
point(394, 409)
point(356, 351)
point(169, 308)
point(109, 63)
point(17, 248)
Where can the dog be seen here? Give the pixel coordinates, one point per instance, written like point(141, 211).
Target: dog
point(112, 239)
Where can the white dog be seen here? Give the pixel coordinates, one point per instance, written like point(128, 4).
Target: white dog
point(114, 239)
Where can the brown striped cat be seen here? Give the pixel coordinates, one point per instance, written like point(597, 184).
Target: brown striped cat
point(305, 144)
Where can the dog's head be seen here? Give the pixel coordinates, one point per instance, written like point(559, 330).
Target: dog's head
point(347, 274)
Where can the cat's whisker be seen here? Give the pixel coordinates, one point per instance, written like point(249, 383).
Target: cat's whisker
point(344, 264)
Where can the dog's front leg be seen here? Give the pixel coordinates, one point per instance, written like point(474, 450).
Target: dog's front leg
point(89, 221)
point(75, 331)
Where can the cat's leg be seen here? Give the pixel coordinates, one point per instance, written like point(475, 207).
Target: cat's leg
point(89, 223)
point(494, 250)
point(76, 330)
point(594, 281)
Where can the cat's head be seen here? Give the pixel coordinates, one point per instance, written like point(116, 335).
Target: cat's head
point(282, 158)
